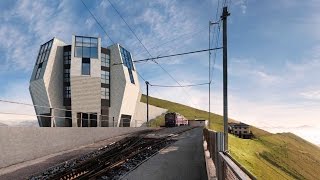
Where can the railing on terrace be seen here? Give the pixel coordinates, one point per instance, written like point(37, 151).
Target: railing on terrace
point(54, 114)
point(226, 166)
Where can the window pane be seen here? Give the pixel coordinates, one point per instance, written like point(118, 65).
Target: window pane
point(78, 51)
point(94, 41)
point(78, 43)
point(86, 44)
point(78, 39)
point(94, 52)
point(46, 46)
point(85, 66)
point(50, 44)
point(86, 40)
point(86, 52)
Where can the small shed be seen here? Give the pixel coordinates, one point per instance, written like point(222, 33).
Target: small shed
point(198, 122)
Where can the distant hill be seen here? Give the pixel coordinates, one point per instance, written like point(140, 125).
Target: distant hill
point(23, 123)
point(267, 156)
point(2, 124)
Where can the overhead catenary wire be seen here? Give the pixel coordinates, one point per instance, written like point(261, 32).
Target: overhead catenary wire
point(105, 32)
point(189, 85)
point(179, 37)
point(147, 49)
point(172, 55)
point(97, 21)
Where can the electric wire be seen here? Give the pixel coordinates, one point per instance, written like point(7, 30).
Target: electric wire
point(148, 50)
point(144, 79)
point(97, 21)
point(171, 55)
point(177, 38)
point(189, 85)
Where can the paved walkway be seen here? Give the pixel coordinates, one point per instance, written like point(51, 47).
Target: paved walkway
point(182, 160)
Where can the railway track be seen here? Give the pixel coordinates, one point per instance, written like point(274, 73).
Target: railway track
point(109, 162)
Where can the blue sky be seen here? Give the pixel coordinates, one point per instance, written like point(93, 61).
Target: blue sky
point(274, 52)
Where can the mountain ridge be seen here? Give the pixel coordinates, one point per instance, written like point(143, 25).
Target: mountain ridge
point(267, 155)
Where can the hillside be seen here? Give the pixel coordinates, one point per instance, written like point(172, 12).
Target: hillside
point(267, 156)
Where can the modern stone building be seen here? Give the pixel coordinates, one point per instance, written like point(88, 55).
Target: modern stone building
point(241, 130)
point(77, 85)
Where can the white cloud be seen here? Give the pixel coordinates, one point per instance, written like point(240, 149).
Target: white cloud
point(312, 95)
point(242, 4)
point(16, 92)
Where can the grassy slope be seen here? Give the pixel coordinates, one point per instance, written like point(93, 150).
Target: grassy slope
point(267, 156)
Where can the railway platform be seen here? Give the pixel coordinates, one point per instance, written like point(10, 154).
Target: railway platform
point(183, 160)
point(181, 156)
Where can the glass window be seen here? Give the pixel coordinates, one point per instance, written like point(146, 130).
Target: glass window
point(104, 93)
point(78, 39)
point(50, 44)
point(78, 51)
point(94, 52)
point(67, 57)
point(94, 41)
point(38, 73)
point(67, 92)
point(105, 60)
point(86, 47)
point(86, 52)
point(66, 75)
point(127, 61)
point(85, 66)
point(131, 76)
point(105, 77)
point(43, 55)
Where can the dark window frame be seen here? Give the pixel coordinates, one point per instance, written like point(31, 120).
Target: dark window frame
point(66, 75)
point(127, 61)
point(90, 43)
point(38, 72)
point(105, 93)
point(84, 62)
point(67, 57)
point(105, 78)
point(67, 92)
point(105, 60)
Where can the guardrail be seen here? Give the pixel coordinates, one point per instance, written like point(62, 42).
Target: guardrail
point(226, 166)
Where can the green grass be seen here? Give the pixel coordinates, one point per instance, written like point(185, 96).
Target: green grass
point(267, 156)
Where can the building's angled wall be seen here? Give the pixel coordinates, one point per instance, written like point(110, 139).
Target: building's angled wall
point(85, 89)
point(140, 115)
point(53, 79)
point(38, 86)
point(117, 84)
point(39, 96)
point(124, 94)
point(49, 89)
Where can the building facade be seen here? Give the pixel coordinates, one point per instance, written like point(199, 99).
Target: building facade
point(77, 85)
point(241, 130)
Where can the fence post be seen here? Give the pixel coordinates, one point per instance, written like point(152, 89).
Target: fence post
point(218, 161)
point(51, 117)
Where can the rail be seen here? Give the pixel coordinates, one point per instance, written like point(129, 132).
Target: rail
point(226, 166)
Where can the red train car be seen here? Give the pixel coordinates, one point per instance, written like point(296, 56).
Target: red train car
point(173, 119)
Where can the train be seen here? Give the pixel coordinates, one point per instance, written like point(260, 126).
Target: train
point(173, 119)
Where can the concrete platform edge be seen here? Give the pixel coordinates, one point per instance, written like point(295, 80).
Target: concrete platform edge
point(23, 144)
point(211, 171)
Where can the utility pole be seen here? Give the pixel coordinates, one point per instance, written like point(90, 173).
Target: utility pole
point(210, 23)
point(209, 71)
point(147, 84)
point(224, 16)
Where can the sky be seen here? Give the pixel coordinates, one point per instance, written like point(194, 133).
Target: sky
point(273, 53)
